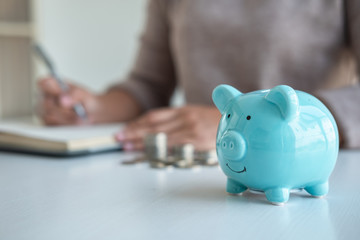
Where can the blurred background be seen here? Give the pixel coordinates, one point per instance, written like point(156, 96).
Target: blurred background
point(92, 42)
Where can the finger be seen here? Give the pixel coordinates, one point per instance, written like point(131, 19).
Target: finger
point(60, 120)
point(45, 103)
point(56, 115)
point(180, 137)
point(49, 106)
point(168, 127)
point(136, 145)
point(49, 86)
point(155, 117)
point(188, 137)
point(53, 120)
point(132, 134)
point(49, 103)
point(45, 106)
point(165, 127)
point(77, 94)
point(72, 97)
point(156, 121)
point(66, 101)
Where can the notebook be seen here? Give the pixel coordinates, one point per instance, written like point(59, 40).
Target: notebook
point(28, 135)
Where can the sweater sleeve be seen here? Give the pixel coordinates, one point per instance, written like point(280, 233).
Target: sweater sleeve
point(152, 79)
point(344, 102)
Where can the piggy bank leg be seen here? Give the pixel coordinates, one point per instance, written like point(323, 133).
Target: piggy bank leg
point(234, 187)
point(318, 190)
point(277, 196)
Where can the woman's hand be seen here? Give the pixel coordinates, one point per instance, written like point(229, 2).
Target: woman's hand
point(193, 124)
point(56, 107)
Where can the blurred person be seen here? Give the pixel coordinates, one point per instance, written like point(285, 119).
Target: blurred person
point(312, 45)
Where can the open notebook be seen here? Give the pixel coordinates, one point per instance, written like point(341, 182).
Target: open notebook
point(27, 135)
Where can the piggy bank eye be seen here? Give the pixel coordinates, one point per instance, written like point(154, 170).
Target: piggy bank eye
point(248, 117)
point(229, 115)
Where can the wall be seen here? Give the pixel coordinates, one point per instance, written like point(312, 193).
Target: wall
point(15, 58)
point(93, 42)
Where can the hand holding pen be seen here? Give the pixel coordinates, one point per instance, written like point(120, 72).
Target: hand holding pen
point(77, 107)
point(57, 108)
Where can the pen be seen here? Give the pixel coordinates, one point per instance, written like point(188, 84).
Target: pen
point(78, 108)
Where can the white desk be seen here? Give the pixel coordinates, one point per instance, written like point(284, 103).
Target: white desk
point(96, 197)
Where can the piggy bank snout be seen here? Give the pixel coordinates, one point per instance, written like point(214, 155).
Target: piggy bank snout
point(232, 146)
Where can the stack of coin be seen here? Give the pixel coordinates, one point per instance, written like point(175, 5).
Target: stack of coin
point(156, 150)
point(184, 156)
point(207, 158)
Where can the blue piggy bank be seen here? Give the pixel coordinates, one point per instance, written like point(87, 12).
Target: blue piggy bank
point(274, 141)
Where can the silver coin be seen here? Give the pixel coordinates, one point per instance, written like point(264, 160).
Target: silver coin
point(157, 164)
point(184, 152)
point(184, 156)
point(135, 160)
point(185, 164)
point(207, 158)
point(154, 138)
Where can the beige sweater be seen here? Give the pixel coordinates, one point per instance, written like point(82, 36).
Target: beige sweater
point(310, 45)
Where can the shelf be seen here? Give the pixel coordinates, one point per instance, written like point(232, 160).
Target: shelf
point(8, 29)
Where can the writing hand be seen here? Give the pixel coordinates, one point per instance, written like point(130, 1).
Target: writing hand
point(55, 107)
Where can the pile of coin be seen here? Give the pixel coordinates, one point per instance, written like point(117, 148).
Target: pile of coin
point(182, 156)
point(156, 150)
point(207, 158)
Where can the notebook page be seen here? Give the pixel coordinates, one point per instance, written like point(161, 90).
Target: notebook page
point(61, 133)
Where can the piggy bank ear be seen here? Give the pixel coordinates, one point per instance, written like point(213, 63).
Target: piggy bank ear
point(286, 99)
point(222, 95)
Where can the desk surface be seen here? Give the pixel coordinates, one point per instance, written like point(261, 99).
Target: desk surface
point(96, 197)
